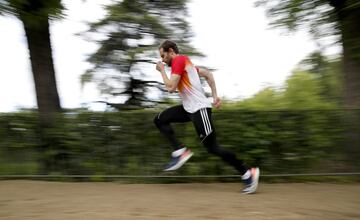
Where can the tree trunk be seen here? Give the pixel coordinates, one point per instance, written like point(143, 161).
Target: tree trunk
point(349, 23)
point(38, 38)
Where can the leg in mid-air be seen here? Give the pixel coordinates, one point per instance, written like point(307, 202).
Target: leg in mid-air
point(163, 122)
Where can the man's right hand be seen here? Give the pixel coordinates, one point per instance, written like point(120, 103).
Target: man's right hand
point(160, 66)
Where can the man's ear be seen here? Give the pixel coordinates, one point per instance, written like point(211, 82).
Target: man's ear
point(171, 50)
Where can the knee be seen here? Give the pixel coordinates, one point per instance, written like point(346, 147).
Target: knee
point(212, 148)
point(157, 121)
point(210, 143)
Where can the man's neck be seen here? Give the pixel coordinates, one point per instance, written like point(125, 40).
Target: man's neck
point(175, 55)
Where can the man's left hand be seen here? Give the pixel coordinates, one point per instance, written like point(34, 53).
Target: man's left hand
point(217, 102)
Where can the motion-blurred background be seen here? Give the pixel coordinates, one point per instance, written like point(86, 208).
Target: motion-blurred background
point(79, 89)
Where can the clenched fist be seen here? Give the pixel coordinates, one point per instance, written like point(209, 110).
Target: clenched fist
point(160, 66)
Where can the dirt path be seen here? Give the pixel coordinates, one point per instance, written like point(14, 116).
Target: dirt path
point(38, 200)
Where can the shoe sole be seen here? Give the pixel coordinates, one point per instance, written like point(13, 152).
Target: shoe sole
point(181, 162)
point(256, 176)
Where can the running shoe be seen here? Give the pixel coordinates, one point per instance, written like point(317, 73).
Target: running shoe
point(178, 160)
point(251, 183)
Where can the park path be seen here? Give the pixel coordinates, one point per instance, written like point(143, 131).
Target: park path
point(42, 200)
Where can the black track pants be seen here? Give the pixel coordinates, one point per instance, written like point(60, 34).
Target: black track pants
point(205, 129)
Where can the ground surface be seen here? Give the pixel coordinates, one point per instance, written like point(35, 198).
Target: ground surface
point(40, 200)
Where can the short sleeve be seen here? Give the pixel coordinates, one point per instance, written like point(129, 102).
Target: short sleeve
point(178, 65)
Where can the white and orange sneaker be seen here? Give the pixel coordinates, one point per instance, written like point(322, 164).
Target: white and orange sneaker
point(178, 158)
point(251, 180)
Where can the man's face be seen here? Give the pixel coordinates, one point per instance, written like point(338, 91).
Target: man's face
point(166, 56)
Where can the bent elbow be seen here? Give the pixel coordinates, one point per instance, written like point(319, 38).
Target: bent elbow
point(171, 90)
point(171, 87)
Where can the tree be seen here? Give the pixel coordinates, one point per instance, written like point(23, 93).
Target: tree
point(328, 74)
point(338, 18)
point(302, 91)
point(314, 84)
point(35, 15)
point(266, 99)
point(134, 29)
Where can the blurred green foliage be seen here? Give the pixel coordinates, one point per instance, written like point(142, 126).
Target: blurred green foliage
point(128, 143)
point(315, 83)
point(297, 128)
point(330, 22)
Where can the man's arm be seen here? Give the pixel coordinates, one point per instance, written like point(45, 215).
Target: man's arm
point(211, 81)
point(172, 83)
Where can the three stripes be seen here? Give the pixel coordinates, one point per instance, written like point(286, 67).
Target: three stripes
point(206, 121)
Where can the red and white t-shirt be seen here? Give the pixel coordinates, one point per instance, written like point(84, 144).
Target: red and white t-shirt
point(190, 89)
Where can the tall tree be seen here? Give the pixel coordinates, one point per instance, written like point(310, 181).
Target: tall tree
point(339, 18)
point(35, 15)
point(134, 29)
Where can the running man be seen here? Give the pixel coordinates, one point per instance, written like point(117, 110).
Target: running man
point(185, 77)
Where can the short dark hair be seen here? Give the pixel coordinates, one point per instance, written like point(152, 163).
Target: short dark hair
point(166, 45)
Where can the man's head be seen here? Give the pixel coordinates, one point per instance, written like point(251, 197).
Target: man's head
point(168, 50)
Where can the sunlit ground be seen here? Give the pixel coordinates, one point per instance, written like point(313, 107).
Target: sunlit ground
point(27, 200)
